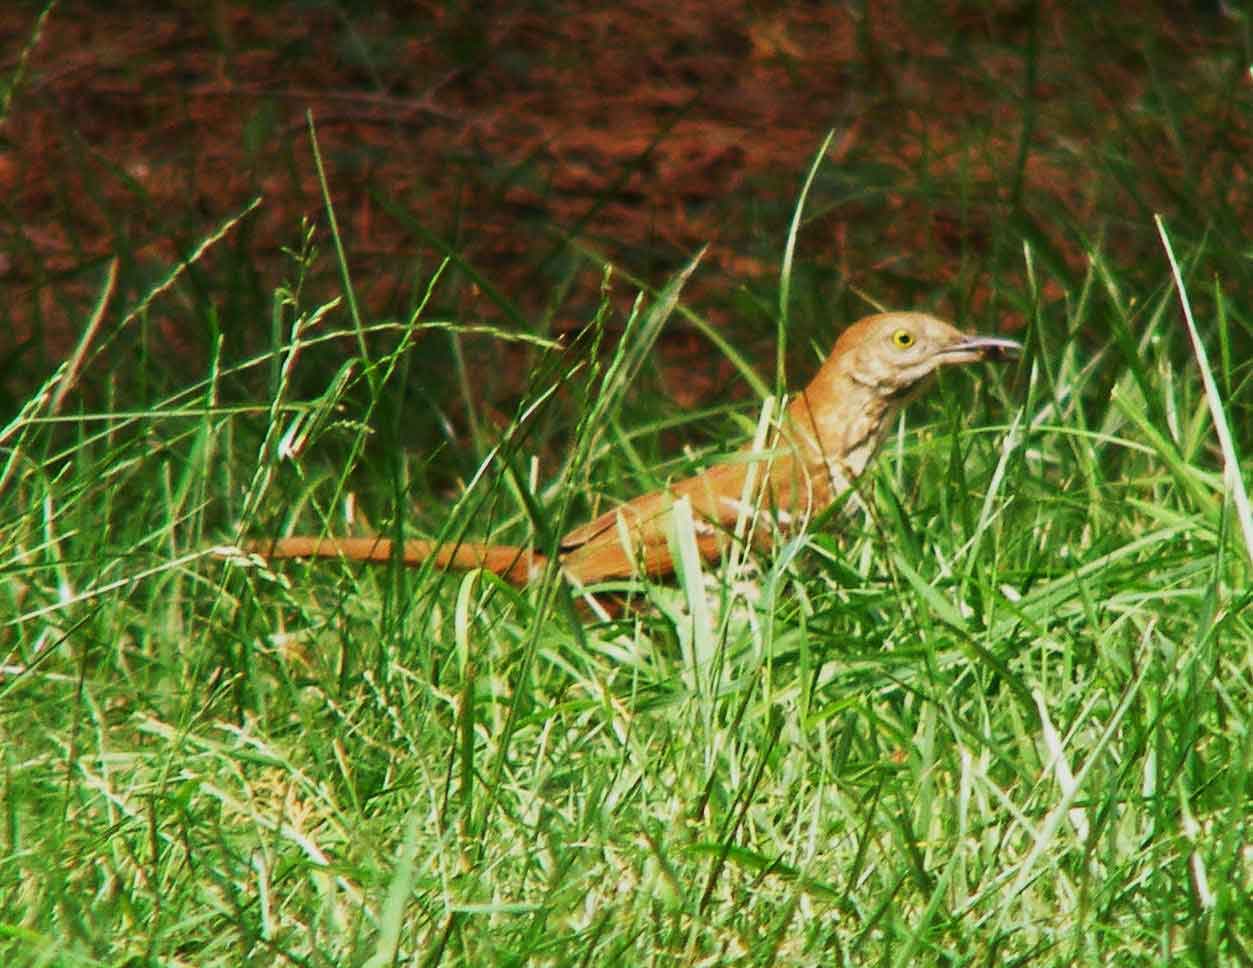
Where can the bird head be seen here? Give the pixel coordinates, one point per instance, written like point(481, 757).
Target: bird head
point(893, 354)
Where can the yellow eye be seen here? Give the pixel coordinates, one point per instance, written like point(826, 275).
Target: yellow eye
point(903, 339)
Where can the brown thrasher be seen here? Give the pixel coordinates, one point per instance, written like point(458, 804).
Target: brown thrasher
point(827, 436)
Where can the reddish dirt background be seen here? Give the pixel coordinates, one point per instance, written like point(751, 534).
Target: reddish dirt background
point(642, 129)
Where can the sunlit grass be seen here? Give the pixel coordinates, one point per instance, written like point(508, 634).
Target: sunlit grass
point(1004, 708)
point(994, 709)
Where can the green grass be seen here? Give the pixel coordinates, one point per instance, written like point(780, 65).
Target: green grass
point(1003, 715)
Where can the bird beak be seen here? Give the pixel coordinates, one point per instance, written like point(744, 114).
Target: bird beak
point(974, 348)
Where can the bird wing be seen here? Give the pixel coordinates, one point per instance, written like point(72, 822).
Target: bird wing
point(634, 538)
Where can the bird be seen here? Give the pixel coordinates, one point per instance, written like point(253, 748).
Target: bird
point(827, 435)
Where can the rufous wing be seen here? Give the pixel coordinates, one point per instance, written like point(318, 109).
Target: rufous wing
point(634, 538)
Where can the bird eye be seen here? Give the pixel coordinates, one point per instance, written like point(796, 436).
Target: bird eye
point(903, 339)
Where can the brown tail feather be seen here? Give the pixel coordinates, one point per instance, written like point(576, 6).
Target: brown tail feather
point(514, 564)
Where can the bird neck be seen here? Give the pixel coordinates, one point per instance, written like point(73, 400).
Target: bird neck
point(840, 421)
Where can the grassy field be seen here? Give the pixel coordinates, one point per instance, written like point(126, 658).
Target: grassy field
point(1000, 713)
point(999, 709)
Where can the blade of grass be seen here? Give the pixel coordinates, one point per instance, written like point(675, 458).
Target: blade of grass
point(785, 270)
point(341, 258)
point(1231, 460)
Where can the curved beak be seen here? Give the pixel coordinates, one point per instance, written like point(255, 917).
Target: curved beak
point(974, 348)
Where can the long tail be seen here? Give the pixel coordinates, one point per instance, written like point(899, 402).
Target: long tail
point(514, 564)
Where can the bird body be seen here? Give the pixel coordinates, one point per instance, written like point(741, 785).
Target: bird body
point(826, 437)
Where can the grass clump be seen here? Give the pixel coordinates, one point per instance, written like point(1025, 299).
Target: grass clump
point(1001, 713)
